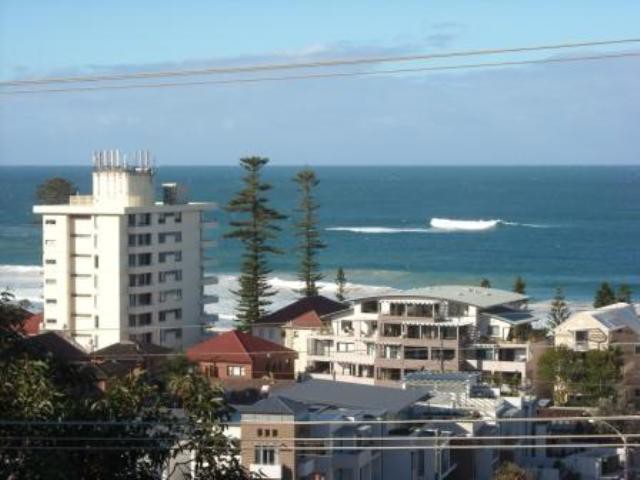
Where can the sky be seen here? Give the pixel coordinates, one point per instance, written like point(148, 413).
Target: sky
point(569, 113)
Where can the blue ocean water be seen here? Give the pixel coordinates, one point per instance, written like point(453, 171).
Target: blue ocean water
point(572, 227)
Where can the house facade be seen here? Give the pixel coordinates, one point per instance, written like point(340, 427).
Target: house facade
point(613, 326)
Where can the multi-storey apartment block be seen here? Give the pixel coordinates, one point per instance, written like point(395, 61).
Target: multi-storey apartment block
point(120, 266)
point(378, 340)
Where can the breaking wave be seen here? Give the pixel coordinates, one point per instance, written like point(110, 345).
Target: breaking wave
point(379, 230)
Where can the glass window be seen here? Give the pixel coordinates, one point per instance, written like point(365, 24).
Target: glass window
point(235, 371)
point(265, 455)
point(369, 307)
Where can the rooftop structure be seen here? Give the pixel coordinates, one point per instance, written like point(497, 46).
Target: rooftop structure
point(120, 266)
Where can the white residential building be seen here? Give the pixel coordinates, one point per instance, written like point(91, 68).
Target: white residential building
point(118, 265)
point(449, 328)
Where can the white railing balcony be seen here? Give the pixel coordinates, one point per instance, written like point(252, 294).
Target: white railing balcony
point(206, 299)
point(209, 280)
point(266, 471)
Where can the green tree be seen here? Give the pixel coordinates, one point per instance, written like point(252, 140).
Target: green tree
point(519, 285)
point(205, 443)
point(255, 229)
point(307, 232)
point(604, 296)
point(559, 310)
point(55, 191)
point(511, 471)
point(341, 284)
point(623, 294)
point(485, 283)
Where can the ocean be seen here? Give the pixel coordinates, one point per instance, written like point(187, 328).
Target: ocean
point(570, 227)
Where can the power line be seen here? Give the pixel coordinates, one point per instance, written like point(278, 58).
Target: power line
point(315, 64)
point(322, 75)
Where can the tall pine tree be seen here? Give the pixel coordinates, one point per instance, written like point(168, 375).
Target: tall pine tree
point(604, 296)
point(559, 310)
point(341, 285)
point(255, 228)
point(519, 285)
point(307, 232)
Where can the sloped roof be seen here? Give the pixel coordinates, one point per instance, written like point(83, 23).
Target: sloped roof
point(306, 320)
point(319, 304)
point(31, 325)
point(276, 405)
point(131, 349)
point(352, 395)
point(234, 346)
point(616, 316)
point(509, 315)
point(57, 345)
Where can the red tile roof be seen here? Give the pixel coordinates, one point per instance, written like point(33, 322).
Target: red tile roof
point(31, 325)
point(306, 320)
point(234, 346)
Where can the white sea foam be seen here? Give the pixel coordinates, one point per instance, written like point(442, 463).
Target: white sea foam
point(450, 224)
point(438, 225)
point(380, 230)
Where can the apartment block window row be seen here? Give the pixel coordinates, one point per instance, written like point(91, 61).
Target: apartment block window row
point(175, 314)
point(175, 216)
point(175, 256)
point(170, 276)
point(170, 334)
point(139, 219)
point(140, 280)
point(139, 240)
point(140, 299)
point(140, 320)
point(140, 260)
point(174, 237)
point(169, 295)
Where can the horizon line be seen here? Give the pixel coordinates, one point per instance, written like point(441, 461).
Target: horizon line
point(350, 165)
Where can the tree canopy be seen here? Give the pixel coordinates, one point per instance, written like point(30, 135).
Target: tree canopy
point(55, 191)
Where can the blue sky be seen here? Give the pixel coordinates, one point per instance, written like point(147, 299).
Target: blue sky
point(547, 114)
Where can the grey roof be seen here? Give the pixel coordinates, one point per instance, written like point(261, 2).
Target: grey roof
point(618, 315)
point(352, 395)
point(477, 296)
point(509, 315)
point(275, 405)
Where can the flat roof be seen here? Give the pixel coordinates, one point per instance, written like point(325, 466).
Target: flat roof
point(352, 395)
point(477, 296)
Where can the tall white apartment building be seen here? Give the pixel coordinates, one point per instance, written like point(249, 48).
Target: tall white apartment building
point(120, 266)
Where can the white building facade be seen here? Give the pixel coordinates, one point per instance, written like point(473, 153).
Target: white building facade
point(120, 266)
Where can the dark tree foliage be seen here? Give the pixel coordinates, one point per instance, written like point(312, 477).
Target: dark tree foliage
point(307, 232)
point(511, 471)
point(604, 296)
point(519, 285)
point(623, 294)
point(485, 283)
point(582, 377)
point(341, 285)
point(255, 226)
point(55, 191)
point(56, 423)
point(559, 310)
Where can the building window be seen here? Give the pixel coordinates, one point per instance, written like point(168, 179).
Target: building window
point(637, 350)
point(96, 321)
point(50, 222)
point(51, 301)
point(51, 320)
point(50, 281)
point(175, 236)
point(235, 371)
point(50, 261)
point(265, 455)
point(96, 261)
point(164, 256)
point(170, 275)
point(494, 331)
point(50, 243)
point(369, 307)
point(259, 432)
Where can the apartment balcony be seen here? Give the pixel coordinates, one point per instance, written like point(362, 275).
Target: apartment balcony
point(352, 357)
point(207, 299)
point(265, 471)
point(498, 366)
point(209, 280)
